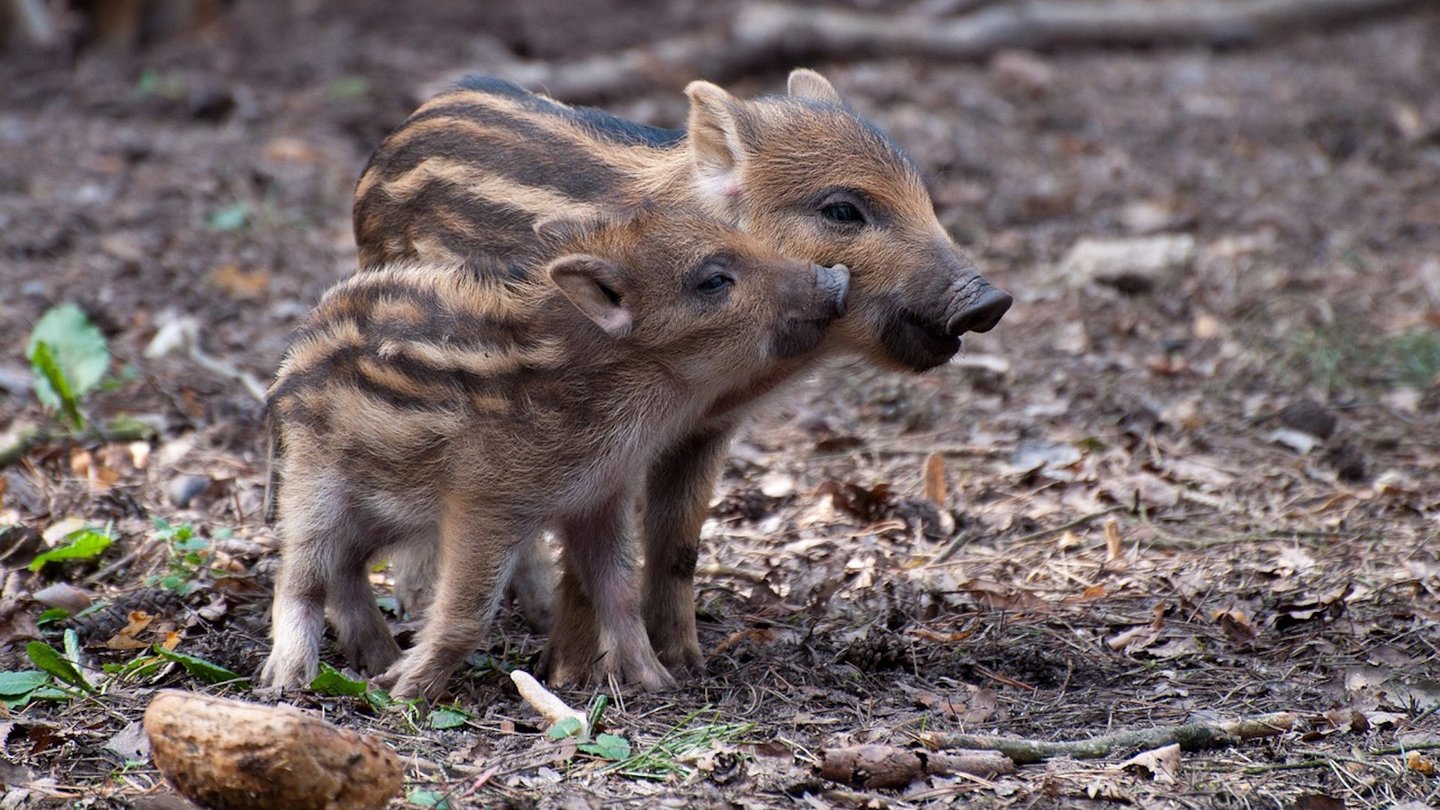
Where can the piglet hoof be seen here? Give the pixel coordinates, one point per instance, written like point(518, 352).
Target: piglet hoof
point(683, 661)
point(387, 679)
point(408, 680)
point(280, 673)
point(639, 668)
point(656, 680)
point(373, 656)
point(545, 665)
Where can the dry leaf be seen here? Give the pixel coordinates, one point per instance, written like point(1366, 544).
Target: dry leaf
point(1236, 625)
point(126, 638)
point(286, 149)
point(1114, 543)
point(1162, 764)
point(1420, 763)
point(935, 488)
point(238, 284)
point(56, 532)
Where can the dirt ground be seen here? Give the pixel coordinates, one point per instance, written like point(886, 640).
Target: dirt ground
point(1205, 490)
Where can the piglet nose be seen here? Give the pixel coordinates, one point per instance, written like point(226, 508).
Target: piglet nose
point(835, 281)
point(981, 314)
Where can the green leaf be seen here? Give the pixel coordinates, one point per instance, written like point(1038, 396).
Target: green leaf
point(565, 727)
point(447, 718)
point(199, 667)
point(597, 710)
point(50, 693)
point(51, 386)
point(608, 746)
point(332, 683)
point(52, 615)
point(69, 357)
point(15, 684)
point(135, 669)
point(379, 699)
point(72, 644)
point(230, 218)
point(47, 658)
point(83, 544)
point(428, 798)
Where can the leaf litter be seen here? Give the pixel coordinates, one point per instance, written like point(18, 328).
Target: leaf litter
point(1200, 491)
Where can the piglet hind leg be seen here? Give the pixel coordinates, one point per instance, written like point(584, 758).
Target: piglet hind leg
point(598, 559)
point(297, 620)
point(574, 643)
point(476, 553)
point(415, 568)
point(364, 634)
point(677, 498)
point(318, 525)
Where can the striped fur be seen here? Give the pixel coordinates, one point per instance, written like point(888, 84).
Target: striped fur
point(437, 405)
point(471, 171)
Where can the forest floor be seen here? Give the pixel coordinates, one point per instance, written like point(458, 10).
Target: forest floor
point(1199, 488)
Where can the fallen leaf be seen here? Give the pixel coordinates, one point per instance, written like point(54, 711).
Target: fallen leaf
point(126, 638)
point(1420, 763)
point(1236, 625)
point(935, 488)
point(63, 595)
point(1114, 543)
point(286, 149)
point(56, 532)
point(1296, 440)
point(240, 284)
point(1162, 764)
point(130, 742)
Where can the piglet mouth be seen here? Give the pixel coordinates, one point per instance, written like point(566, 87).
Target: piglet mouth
point(920, 342)
point(800, 336)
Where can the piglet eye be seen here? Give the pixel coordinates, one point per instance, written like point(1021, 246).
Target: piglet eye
point(843, 212)
point(715, 283)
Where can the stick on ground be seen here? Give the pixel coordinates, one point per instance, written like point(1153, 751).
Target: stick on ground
point(1190, 737)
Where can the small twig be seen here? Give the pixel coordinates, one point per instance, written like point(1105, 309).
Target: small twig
point(1190, 737)
point(717, 570)
point(1400, 749)
point(1287, 766)
point(963, 540)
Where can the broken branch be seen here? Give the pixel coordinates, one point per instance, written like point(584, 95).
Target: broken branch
point(1190, 737)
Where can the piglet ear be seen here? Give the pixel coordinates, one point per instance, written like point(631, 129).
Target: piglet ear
point(597, 288)
point(715, 146)
point(806, 83)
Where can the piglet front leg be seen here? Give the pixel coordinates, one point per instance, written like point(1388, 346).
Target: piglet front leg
point(598, 631)
point(476, 552)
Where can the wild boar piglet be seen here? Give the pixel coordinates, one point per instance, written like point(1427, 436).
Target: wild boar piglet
point(475, 407)
point(474, 167)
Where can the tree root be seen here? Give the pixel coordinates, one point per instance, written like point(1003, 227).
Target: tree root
point(1190, 737)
